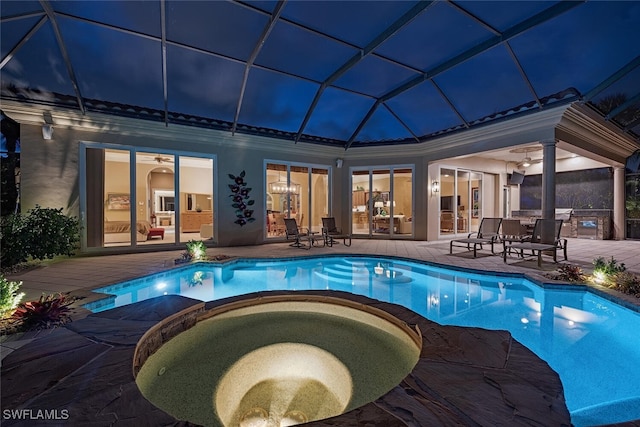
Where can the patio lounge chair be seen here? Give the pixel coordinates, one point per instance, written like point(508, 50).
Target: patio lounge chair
point(487, 235)
point(513, 231)
point(545, 239)
point(331, 233)
point(297, 234)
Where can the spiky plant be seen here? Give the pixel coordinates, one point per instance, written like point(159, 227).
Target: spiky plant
point(49, 311)
point(570, 273)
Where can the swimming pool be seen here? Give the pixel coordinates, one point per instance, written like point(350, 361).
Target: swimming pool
point(590, 341)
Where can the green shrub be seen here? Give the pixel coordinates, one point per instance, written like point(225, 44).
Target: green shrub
point(608, 267)
point(9, 296)
point(42, 233)
point(196, 249)
point(13, 240)
point(47, 312)
point(627, 282)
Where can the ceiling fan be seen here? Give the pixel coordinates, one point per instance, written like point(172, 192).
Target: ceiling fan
point(160, 160)
point(527, 161)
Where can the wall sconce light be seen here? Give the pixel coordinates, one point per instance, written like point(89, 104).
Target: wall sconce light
point(435, 187)
point(47, 131)
point(339, 163)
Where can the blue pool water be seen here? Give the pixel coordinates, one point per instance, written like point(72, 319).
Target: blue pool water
point(590, 341)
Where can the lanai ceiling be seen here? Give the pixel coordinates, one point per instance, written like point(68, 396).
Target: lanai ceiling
point(341, 73)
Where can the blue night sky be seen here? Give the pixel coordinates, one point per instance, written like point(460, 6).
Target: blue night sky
point(424, 76)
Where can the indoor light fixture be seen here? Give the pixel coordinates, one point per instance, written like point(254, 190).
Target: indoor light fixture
point(526, 162)
point(378, 206)
point(281, 187)
point(435, 187)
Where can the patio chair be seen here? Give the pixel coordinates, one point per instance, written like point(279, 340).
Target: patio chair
point(331, 233)
point(447, 219)
point(279, 227)
point(487, 234)
point(297, 234)
point(545, 239)
point(513, 231)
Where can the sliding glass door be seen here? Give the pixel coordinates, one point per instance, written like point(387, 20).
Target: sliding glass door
point(136, 198)
point(195, 199)
point(382, 202)
point(460, 201)
point(295, 191)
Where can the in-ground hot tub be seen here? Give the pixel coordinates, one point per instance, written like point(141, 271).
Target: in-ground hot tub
point(282, 360)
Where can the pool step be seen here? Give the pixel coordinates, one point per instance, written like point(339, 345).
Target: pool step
point(347, 273)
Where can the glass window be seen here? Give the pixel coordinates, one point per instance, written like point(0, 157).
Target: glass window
point(299, 195)
point(476, 201)
point(114, 201)
point(320, 199)
point(295, 191)
point(156, 196)
point(460, 201)
point(108, 197)
point(196, 199)
point(380, 198)
point(360, 202)
point(448, 201)
point(401, 203)
point(382, 202)
point(463, 190)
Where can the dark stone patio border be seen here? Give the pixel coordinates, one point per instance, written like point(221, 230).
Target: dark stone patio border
point(465, 376)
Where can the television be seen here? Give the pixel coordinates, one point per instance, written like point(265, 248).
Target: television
point(515, 178)
point(446, 203)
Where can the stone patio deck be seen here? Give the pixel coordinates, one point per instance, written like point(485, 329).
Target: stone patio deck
point(85, 367)
point(465, 376)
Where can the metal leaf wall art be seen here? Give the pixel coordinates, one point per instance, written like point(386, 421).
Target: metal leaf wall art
point(240, 199)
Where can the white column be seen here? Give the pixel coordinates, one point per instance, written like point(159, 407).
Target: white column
point(548, 179)
point(618, 203)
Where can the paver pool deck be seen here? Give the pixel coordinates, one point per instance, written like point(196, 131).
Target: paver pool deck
point(465, 376)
